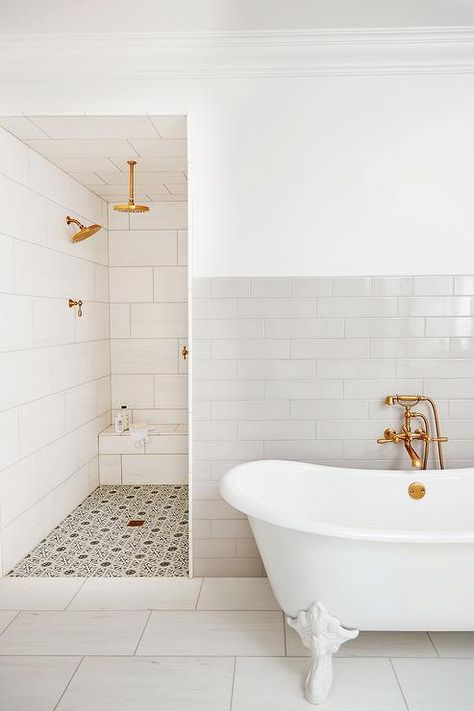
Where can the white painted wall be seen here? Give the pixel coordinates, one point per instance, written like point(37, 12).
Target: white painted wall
point(54, 367)
point(309, 175)
point(208, 15)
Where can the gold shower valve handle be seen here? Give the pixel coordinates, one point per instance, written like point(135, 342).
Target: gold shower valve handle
point(78, 303)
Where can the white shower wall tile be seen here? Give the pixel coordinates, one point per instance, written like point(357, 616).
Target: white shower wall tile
point(464, 284)
point(268, 286)
point(310, 286)
point(351, 286)
point(392, 286)
point(148, 330)
point(51, 366)
point(450, 326)
point(433, 285)
point(167, 320)
point(313, 365)
point(131, 284)
point(142, 248)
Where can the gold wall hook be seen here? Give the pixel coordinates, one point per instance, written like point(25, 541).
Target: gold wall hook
point(73, 302)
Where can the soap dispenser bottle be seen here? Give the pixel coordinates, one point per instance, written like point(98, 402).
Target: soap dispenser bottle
point(118, 423)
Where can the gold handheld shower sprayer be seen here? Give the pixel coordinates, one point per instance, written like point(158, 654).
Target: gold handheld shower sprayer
point(84, 232)
point(131, 206)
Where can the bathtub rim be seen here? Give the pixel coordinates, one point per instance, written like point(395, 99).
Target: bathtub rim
point(236, 497)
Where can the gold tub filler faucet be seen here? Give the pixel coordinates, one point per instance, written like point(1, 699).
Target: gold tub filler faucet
point(422, 433)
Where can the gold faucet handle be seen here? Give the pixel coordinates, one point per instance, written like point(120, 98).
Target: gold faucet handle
point(389, 435)
point(78, 303)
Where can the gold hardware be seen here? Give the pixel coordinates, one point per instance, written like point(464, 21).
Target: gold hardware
point(131, 206)
point(407, 435)
point(184, 352)
point(78, 303)
point(84, 232)
point(417, 490)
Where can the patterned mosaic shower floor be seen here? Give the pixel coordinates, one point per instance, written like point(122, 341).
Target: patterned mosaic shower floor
point(95, 540)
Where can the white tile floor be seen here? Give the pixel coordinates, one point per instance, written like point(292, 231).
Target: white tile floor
point(218, 644)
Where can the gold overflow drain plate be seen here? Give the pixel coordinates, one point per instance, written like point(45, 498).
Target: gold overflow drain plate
point(417, 490)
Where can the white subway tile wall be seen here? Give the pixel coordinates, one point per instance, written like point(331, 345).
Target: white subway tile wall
point(297, 368)
point(148, 323)
point(55, 367)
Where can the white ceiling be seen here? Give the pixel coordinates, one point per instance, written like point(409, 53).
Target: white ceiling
point(95, 150)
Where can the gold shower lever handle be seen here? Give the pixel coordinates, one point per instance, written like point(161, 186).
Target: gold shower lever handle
point(73, 302)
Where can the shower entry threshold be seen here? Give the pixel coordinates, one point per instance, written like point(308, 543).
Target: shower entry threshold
point(119, 530)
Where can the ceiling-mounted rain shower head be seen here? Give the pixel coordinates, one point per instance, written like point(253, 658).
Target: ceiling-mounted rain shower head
point(130, 206)
point(84, 232)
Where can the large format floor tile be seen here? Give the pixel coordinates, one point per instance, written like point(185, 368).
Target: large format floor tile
point(277, 685)
point(138, 594)
point(437, 684)
point(372, 644)
point(38, 593)
point(221, 633)
point(454, 644)
point(73, 632)
point(237, 594)
point(150, 684)
point(28, 683)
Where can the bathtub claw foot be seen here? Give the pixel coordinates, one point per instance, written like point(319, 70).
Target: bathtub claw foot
point(322, 634)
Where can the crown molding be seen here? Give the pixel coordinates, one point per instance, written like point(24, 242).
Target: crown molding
point(204, 55)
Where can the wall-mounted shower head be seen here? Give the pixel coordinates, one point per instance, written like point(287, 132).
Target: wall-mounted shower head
point(84, 232)
point(131, 206)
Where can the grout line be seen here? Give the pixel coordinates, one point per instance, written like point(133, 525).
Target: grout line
point(216, 656)
point(398, 683)
point(11, 621)
point(59, 392)
point(68, 606)
point(199, 594)
point(233, 685)
point(434, 645)
point(69, 682)
point(50, 492)
point(285, 635)
point(143, 632)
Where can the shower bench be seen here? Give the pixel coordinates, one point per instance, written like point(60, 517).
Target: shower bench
point(163, 460)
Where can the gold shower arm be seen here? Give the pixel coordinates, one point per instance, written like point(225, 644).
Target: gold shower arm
point(131, 181)
point(71, 220)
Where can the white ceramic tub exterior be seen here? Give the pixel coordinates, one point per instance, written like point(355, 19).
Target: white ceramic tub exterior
point(352, 542)
point(356, 541)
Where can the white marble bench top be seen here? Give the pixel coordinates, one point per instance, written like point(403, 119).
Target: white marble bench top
point(154, 430)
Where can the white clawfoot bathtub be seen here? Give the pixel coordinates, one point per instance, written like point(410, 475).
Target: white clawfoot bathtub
point(349, 548)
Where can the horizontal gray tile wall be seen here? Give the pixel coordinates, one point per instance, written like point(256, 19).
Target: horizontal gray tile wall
point(297, 368)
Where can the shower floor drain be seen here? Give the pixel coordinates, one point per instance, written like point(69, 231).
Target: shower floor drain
point(135, 522)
